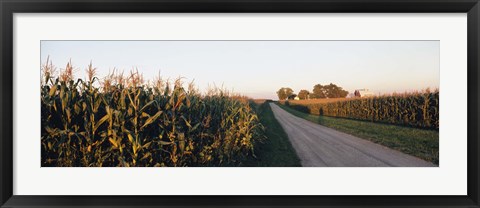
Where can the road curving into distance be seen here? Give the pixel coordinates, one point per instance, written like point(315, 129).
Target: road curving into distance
point(320, 146)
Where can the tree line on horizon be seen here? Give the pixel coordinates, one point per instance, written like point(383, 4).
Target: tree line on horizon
point(319, 91)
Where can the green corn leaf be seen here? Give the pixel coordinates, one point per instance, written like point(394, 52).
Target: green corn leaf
point(100, 122)
point(146, 105)
point(164, 142)
point(53, 90)
point(195, 127)
point(145, 146)
point(113, 142)
point(186, 122)
point(145, 115)
point(130, 137)
point(151, 119)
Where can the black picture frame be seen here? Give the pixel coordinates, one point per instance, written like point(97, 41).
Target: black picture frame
point(9, 7)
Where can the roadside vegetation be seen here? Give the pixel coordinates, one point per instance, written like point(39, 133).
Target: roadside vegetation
point(422, 143)
point(276, 150)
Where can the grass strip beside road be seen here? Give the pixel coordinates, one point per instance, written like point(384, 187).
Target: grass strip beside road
point(276, 150)
point(417, 142)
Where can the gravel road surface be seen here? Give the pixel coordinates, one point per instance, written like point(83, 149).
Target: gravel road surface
point(320, 146)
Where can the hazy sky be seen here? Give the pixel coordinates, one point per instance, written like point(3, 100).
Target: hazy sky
point(259, 68)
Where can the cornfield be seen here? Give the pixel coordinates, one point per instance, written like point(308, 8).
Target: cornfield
point(124, 122)
point(419, 109)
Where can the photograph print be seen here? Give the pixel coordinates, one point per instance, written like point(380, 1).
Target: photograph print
point(239, 103)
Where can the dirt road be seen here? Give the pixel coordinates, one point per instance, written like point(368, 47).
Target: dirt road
point(319, 146)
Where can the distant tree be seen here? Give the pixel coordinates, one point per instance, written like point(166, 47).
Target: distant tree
point(343, 93)
point(334, 91)
point(318, 92)
point(303, 94)
point(328, 91)
point(281, 94)
point(288, 91)
point(292, 96)
point(284, 92)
